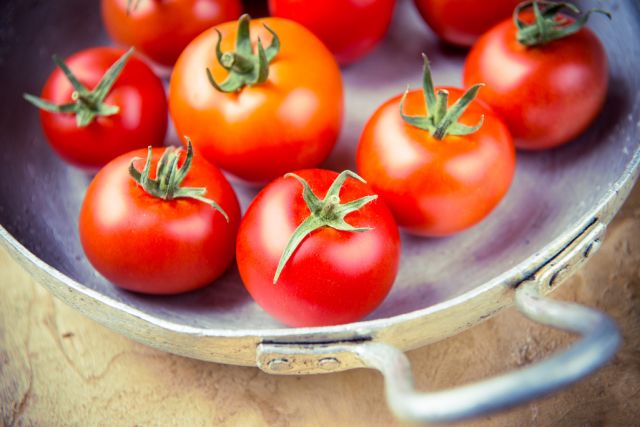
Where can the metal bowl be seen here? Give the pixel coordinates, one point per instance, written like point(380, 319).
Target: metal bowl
point(551, 221)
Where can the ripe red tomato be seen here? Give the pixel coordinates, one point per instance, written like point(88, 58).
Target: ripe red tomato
point(546, 94)
point(461, 22)
point(162, 29)
point(332, 276)
point(143, 243)
point(349, 28)
point(260, 130)
point(436, 187)
point(139, 118)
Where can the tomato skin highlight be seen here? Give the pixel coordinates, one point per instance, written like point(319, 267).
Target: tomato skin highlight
point(145, 244)
point(162, 29)
point(334, 276)
point(436, 187)
point(138, 92)
point(547, 95)
point(461, 22)
point(290, 122)
point(349, 28)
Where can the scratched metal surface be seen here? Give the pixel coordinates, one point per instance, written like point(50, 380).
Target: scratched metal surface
point(554, 195)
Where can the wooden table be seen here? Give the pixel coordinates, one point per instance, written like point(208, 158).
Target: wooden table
point(60, 368)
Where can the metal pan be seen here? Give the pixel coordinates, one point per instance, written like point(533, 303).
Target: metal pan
point(551, 221)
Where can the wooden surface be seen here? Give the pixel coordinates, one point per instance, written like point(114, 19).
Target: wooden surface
point(59, 368)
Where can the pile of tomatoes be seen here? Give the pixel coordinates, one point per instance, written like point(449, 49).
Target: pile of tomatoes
point(263, 101)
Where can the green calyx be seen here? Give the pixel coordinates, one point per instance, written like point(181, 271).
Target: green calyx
point(328, 212)
point(548, 23)
point(440, 119)
point(86, 104)
point(245, 68)
point(169, 176)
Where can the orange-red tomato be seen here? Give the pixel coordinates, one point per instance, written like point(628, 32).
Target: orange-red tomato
point(260, 132)
point(548, 94)
point(162, 28)
point(350, 28)
point(461, 22)
point(137, 92)
point(146, 244)
point(334, 276)
point(436, 187)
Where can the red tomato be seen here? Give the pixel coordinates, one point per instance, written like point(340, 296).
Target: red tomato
point(143, 243)
point(333, 276)
point(436, 187)
point(162, 29)
point(548, 94)
point(349, 28)
point(137, 93)
point(262, 130)
point(461, 22)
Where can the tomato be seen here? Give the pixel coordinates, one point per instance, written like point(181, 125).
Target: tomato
point(436, 186)
point(132, 114)
point(259, 130)
point(162, 29)
point(349, 28)
point(144, 243)
point(306, 272)
point(547, 94)
point(461, 22)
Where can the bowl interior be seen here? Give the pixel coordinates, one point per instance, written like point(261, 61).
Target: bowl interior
point(40, 196)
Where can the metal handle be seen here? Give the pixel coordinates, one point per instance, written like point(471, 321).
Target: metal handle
point(600, 339)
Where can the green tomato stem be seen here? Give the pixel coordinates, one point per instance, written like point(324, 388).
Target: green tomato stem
point(85, 100)
point(549, 24)
point(440, 119)
point(236, 62)
point(245, 67)
point(441, 105)
point(86, 105)
point(169, 176)
point(328, 212)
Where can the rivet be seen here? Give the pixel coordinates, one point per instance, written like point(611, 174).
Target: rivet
point(279, 364)
point(328, 363)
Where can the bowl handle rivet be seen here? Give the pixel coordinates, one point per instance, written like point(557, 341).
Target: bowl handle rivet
point(280, 364)
point(329, 363)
